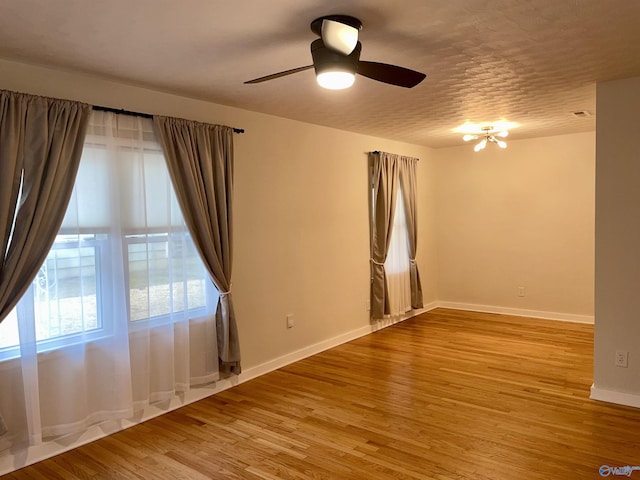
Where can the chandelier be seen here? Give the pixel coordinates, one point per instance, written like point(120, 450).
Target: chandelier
point(488, 135)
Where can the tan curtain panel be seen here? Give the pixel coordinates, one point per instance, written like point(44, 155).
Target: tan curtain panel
point(409, 184)
point(384, 181)
point(386, 171)
point(41, 141)
point(200, 162)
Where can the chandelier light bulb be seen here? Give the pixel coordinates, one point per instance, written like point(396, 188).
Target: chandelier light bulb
point(480, 145)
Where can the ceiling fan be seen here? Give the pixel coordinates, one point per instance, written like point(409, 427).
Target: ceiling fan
point(336, 58)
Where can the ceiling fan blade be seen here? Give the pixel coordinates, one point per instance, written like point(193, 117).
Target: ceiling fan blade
point(392, 74)
point(279, 74)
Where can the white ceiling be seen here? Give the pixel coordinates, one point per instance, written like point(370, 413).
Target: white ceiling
point(532, 62)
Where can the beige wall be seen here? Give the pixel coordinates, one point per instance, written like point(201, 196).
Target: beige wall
point(617, 325)
point(301, 210)
point(519, 217)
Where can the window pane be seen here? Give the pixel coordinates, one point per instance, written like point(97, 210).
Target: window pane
point(195, 275)
point(148, 277)
point(397, 263)
point(90, 207)
point(166, 275)
point(398, 254)
point(65, 288)
point(9, 330)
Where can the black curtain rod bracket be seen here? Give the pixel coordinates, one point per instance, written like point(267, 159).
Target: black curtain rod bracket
point(138, 114)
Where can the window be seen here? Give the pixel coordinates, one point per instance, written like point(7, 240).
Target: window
point(397, 263)
point(123, 248)
point(121, 313)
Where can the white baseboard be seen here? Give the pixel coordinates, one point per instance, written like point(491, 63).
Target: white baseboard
point(566, 317)
point(302, 353)
point(611, 396)
point(310, 350)
point(10, 462)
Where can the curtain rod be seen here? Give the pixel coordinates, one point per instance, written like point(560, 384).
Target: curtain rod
point(378, 151)
point(138, 114)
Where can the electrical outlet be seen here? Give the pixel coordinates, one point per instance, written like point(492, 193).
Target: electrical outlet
point(622, 358)
point(521, 291)
point(290, 321)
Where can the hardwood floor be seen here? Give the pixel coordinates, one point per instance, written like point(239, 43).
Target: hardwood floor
point(446, 395)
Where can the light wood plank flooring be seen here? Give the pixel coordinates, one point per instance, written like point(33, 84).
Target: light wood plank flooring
point(446, 395)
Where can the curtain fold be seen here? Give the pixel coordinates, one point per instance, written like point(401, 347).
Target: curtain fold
point(384, 181)
point(41, 141)
point(200, 161)
point(408, 184)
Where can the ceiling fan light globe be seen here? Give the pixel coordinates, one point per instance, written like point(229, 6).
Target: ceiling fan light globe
point(501, 144)
point(468, 137)
point(503, 134)
point(339, 37)
point(335, 80)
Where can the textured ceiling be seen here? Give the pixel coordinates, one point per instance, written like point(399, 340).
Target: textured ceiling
point(532, 62)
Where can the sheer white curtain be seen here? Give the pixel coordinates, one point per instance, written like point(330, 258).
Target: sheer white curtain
point(121, 314)
point(397, 263)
